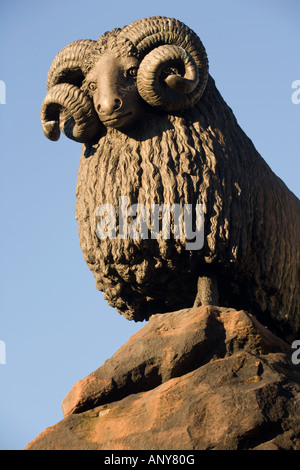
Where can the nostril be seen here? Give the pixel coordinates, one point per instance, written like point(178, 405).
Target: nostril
point(117, 104)
point(109, 106)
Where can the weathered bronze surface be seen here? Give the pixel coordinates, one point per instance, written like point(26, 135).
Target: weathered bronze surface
point(155, 130)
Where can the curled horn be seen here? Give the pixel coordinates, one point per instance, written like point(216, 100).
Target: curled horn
point(174, 68)
point(66, 107)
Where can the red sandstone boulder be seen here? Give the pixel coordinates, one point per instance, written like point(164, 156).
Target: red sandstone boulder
point(170, 345)
point(206, 378)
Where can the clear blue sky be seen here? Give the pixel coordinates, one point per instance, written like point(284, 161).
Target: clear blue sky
point(55, 324)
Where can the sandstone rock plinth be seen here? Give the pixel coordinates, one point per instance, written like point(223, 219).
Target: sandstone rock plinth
point(205, 378)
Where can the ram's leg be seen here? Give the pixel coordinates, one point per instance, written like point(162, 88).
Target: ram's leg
point(207, 291)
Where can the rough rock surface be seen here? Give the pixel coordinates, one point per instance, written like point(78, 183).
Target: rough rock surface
point(205, 378)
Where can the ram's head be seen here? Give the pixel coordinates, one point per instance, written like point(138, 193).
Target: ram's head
point(91, 85)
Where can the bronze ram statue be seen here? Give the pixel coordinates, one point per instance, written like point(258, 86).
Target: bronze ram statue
point(155, 130)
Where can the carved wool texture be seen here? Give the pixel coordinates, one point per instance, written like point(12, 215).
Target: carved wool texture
point(202, 156)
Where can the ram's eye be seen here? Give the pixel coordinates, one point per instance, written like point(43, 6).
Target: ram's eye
point(92, 86)
point(132, 72)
